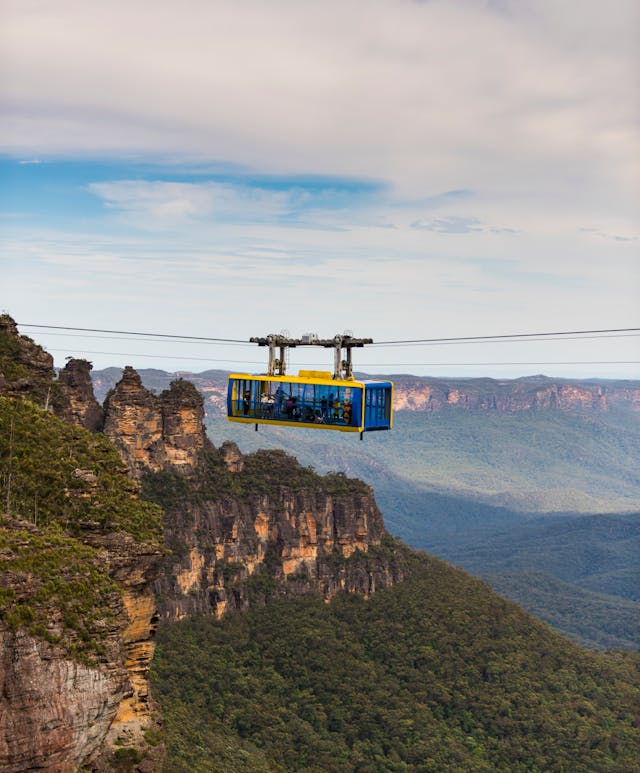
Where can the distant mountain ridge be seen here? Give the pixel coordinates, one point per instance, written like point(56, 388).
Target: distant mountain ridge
point(430, 394)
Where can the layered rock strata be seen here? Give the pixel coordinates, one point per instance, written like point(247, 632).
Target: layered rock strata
point(56, 711)
point(59, 712)
point(135, 567)
point(317, 536)
point(82, 408)
point(154, 432)
point(489, 395)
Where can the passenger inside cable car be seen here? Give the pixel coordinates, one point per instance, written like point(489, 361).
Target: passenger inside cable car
point(324, 404)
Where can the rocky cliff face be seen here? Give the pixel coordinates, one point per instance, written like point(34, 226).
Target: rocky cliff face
point(81, 408)
point(247, 528)
point(60, 712)
point(238, 524)
point(507, 396)
point(135, 567)
point(77, 612)
point(26, 370)
point(154, 432)
point(56, 711)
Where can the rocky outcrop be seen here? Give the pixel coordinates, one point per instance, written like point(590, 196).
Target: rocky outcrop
point(233, 459)
point(65, 704)
point(135, 567)
point(312, 535)
point(183, 432)
point(55, 711)
point(26, 370)
point(81, 407)
point(154, 432)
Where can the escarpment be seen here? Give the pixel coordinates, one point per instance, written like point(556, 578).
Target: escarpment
point(81, 555)
point(435, 395)
point(245, 529)
point(242, 528)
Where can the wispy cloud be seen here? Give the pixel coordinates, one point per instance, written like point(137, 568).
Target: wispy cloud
point(459, 225)
point(164, 204)
point(170, 201)
point(609, 236)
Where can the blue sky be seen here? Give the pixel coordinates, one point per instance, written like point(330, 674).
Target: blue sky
point(399, 169)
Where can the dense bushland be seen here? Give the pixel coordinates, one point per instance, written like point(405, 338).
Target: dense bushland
point(434, 674)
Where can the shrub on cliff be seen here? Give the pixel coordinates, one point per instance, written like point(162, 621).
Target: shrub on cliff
point(57, 589)
point(265, 473)
point(62, 487)
point(56, 473)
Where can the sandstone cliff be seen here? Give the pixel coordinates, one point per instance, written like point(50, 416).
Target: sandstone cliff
point(73, 690)
point(240, 528)
point(433, 396)
point(78, 554)
point(82, 408)
point(154, 432)
point(248, 528)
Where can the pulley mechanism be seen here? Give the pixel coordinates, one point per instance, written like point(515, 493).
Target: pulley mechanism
point(342, 344)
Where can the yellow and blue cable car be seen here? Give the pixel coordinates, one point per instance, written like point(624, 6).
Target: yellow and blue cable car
point(312, 399)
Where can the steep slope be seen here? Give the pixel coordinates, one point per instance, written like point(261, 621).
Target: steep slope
point(78, 553)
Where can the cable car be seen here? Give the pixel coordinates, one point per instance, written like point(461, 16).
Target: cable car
point(312, 399)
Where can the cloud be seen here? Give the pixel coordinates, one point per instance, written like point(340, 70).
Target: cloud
point(612, 237)
point(165, 204)
point(429, 96)
point(458, 225)
point(168, 202)
point(449, 225)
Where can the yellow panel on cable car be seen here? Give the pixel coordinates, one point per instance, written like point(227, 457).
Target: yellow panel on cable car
point(311, 399)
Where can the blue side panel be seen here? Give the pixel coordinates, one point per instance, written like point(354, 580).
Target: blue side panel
point(377, 407)
point(230, 398)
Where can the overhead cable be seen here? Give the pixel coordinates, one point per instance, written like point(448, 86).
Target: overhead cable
point(136, 333)
point(367, 364)
point(560, 335)
point(520, 336)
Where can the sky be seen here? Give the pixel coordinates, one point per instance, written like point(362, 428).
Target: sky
point(403, 170)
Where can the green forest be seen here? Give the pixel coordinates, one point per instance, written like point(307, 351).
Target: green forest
point(434, 674)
